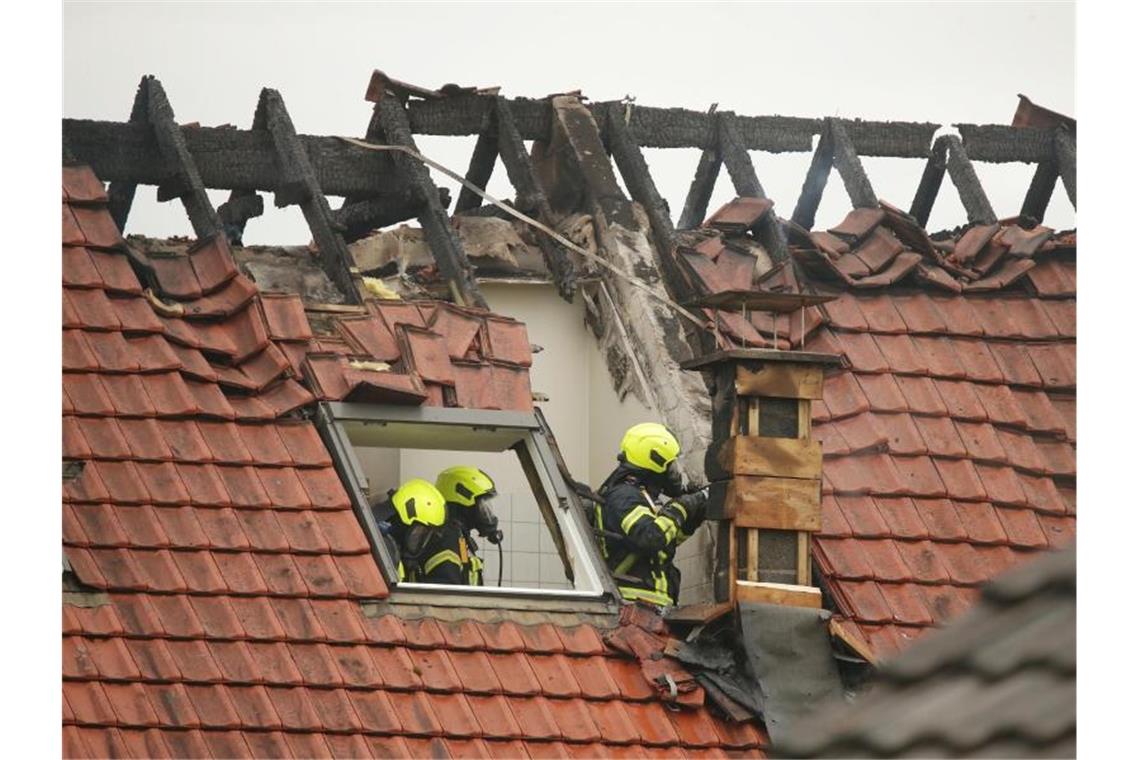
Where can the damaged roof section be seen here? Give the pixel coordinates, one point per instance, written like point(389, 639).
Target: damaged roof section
point(226, 570)
point(949, 437)
point(999, 682)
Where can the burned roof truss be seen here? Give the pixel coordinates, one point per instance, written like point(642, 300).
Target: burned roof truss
point(385, 186)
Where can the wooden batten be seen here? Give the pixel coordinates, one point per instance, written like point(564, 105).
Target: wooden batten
point(778, 593)
point(780, 380)
point(773, 503)
point(773, 457)
point(803, 558)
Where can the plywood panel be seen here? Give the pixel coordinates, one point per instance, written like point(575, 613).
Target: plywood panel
point(777, 503)
point(778, 593)
point(780, 380)
point(778, 457)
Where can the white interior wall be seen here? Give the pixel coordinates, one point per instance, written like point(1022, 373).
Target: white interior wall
point(588, 421)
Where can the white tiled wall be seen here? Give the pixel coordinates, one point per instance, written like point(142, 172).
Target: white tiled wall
point(529, 557)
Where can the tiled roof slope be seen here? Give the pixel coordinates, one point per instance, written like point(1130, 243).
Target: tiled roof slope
point(949, 438)
point(222, 567)
point(1000, 682)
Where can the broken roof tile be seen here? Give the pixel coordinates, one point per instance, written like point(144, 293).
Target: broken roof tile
point(1010, 271)
point(858, 224)
point(176, 276)
point(878, 249)
point(371, 336)
point(426, 354)
point(739, 215)
point(508, 341)
point(973, 241)
point(212, 262)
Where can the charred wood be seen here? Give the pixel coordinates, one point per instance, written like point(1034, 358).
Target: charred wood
point(532, 198)
point(1067, 161)
point(227, 159)
point(962, 174)
point(850, 168)
point(482, 165)
point(441, 238)
point(1040, 190)
point(299, 186)
point(814, 184)
point(356, 220)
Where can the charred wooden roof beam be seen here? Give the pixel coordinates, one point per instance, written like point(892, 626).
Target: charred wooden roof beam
point(392, 121)
point(482, 165)
point(531, 197)
point(744, 179)
point(704, 180)
point(299, 186)
point(179, 174)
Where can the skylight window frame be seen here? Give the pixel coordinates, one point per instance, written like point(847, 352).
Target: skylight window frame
point(538, 456)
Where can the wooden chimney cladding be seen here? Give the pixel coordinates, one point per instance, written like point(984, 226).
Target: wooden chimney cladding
point(765, 471)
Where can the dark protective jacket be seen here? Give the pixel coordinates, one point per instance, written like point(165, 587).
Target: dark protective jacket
point(638, 538)
point(441, 559)
point(461, 518)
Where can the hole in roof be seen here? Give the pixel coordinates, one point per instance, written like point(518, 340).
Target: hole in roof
point(672, 170)
point(154, 219)
point(1060, 215)
point(1005, 185)
point(947, 211)
point(276, 226)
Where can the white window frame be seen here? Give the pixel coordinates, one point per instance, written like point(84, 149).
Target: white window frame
point(593, 584)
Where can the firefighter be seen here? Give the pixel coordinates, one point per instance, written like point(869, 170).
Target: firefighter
point(468, 492)
point(645, 516)
point(414, 519)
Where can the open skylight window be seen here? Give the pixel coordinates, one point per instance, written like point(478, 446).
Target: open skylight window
point(547, 548)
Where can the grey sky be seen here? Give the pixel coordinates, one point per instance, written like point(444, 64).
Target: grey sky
point(940, 62)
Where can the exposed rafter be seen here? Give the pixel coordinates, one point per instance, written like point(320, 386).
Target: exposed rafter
point(179, 174)
point(482, 165)
point(531, 197)
point(744, 179)
point(392, 122)
point(834, 150)
point(948, 154)
point(299, 186)
point(704, 180)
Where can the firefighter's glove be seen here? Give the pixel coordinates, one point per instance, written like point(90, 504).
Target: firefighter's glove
point(695, 506)
point(495, 536)
point(674, 482)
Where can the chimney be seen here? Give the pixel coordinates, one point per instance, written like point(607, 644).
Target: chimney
point(763, 465)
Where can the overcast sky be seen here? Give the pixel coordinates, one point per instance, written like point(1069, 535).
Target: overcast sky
point(939, 62)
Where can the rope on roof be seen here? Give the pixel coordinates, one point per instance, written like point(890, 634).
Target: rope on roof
point(563, 240)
